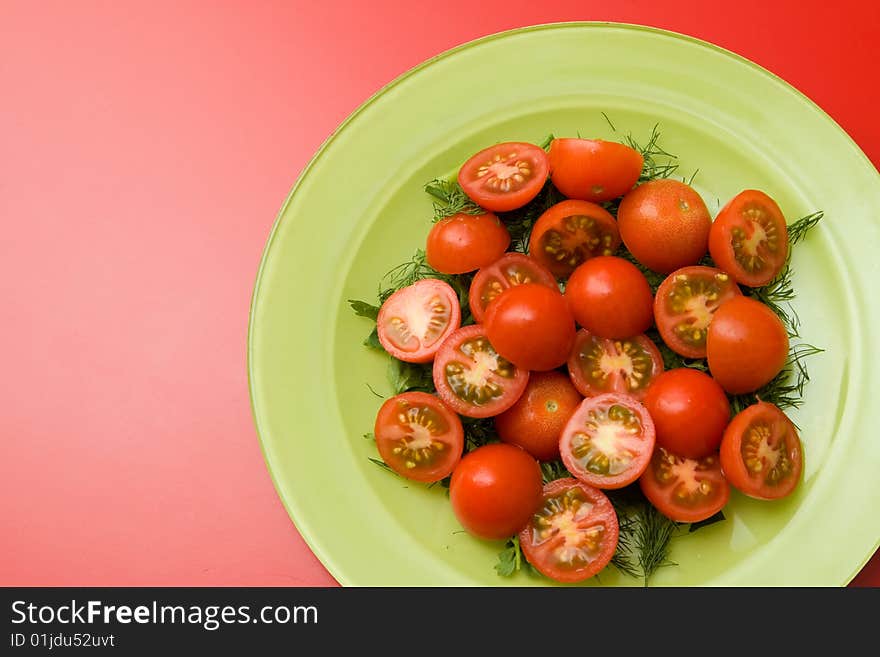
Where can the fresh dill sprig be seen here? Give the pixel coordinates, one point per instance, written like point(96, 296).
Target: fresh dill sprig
point(383, 465)
point(450, 199)
point(624, 558)
point(653, 534)
point(553, 470)
point(786, 390)
point(478, 432)
point(654, 278)
point(658, 162)
point(519, 222)
point(797, 230)
point(545, 143)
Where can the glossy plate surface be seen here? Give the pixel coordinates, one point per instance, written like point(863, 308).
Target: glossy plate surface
point(358, 209)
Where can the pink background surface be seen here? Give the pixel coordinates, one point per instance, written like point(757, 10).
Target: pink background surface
point(145, 149)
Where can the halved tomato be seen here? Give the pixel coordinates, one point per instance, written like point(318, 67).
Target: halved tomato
point(509, 270)
point(505, 176)
point(574, 533)
point(593, 169)
point(749, 238)
point(608, 441)
point(598, 365)
point(761, 453)
point(418, 436)
point(472, 378)
point(569, 233)
point(685, 304)
point(685, 490)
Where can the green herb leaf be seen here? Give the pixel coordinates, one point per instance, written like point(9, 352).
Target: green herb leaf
point(510, 558)
point(404, 377)
point(383, 465)
point(553, 470)
point(370, 435)
point(450, 199)
point(545, 143)
point(519, 222)
point(658, 163)
point(478, 432)
point(786, 390)
point(372, 340)
point(364, 309)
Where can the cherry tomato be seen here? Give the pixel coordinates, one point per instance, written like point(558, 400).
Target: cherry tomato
point(531, 326)
point(536, 420)
point(495, 490)
point(465, 242)
point(569, 233)
point(664, 224)
point(690, 412)
point(610, 298)
point(414, 321)
point(505, 176)
point(418, 436)
point(593, 169)
point(747, 345)
point(608, 441)
point(509, 270)
point(749, 238)
point(472, 378)
point(761, 453)
point(598, 365)
point(685, 490)
point(684, 306)
point(574, 533)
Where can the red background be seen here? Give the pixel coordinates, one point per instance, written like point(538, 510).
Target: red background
point(145, 148)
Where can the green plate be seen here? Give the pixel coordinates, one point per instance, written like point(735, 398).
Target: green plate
point(358, 209)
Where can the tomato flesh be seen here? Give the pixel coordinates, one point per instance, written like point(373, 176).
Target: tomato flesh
point(608, 441)
point(571, 232)
point(509, 270)
point(598, 365)
point(574, 533)
point(472, 378)
point(685, 304)
point(761, 453)
point(414, 321)
point(683, 489)
point(749, 238)
point(418, 437)
point(505, 176)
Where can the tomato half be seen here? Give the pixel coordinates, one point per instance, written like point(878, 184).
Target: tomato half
point(599, 365)
point(747, 345)
point(684, 306)
point(593, 169)
point(472, 378)
point(465, 242)
point(664, 224)
point(608, 441)
point(414, 321)
point(690, 412)
point(761, 453)
point(509, 270)
point(749, 238)
point(505, 176)
point(685, 490)
point(495, 490)
point(610, 298)
point(531, 326)
point(569, 233)
point(536, 420)
point(418, 436)
point(574, 533)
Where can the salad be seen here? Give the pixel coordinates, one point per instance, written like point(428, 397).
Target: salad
point(586, 359)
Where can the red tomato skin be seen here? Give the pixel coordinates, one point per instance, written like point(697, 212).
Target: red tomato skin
point(537, 418)
point(746, 346)
point(500, 201)
point(575, 424)
point(604, 514)
point(385, 434)
point(593, 169)
point(465, 242)
point(664, 501)
point(721, 237)
point(732, 462)
point(690, 412)
point(665, 224)
point(494, 490)
point(425, 288)
point(531, 326)
point(610, 298)
point(509, 270)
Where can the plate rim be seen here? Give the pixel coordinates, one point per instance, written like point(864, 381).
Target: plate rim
point(326, 560)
